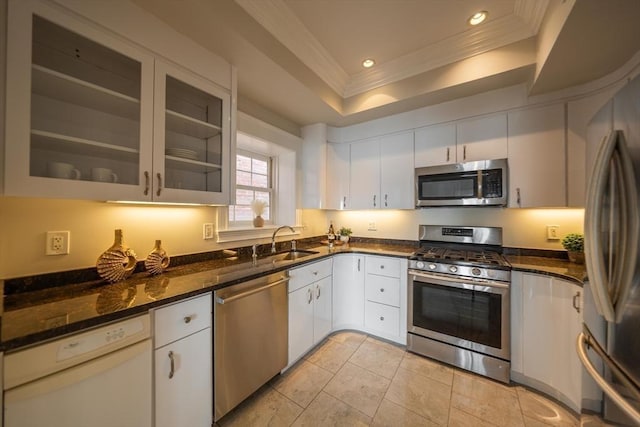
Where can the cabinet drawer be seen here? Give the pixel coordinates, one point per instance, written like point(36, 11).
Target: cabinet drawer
point(182, 319)
point(302, 276)
point(383, 266)
point(383, 318)
point(385, 290)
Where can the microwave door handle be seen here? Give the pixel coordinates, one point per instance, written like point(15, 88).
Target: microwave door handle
point(585, 339)
point(596, 268)
point(628, 250)
point(480, 195)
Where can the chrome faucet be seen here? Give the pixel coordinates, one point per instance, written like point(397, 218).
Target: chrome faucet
point(273, 237)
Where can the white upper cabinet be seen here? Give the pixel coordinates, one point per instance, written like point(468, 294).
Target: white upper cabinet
point(435, 145)
point(364, 182)
point(191, 141)
point(537, 164)
point(482, 138)
point(83, 123)
point(381, 173)
point(396, 171)
point(337, 173)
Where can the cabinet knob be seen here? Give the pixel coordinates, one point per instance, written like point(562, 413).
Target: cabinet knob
point(382, 267)
point(381, 289)
point(187, 319)
point(382, 318)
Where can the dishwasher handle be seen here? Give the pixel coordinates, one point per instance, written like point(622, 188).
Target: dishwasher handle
point(244, 294)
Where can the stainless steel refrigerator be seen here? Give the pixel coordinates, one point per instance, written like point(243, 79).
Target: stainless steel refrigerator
point(612, 237)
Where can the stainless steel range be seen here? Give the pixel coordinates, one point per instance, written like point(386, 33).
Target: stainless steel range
point(459, 310)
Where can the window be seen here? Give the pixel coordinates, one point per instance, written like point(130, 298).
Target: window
point(253, 182)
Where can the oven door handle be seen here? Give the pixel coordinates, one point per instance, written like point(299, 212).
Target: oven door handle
point(455, 282)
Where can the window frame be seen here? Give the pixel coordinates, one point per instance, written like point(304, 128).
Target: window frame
point(269, 189)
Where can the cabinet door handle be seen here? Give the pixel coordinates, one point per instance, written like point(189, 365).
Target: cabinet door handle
point(310, 294)
point(518, 199)
point(374, 200)
point(576, 301)
point(159, 184)
point(173, 366)
point(317, 291)
point(344, 202)
point(385, 201)
point(448, 156)
point(358, 264)
point(464, 152)
point(146, 183)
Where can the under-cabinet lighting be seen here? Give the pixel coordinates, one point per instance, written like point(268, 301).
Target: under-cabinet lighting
point(129, 202)
point(478, 17)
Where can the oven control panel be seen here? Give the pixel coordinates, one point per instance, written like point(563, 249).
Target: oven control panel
point(455, 270)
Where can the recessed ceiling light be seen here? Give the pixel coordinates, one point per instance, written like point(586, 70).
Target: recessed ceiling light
point(368, 63)
point(478, 17)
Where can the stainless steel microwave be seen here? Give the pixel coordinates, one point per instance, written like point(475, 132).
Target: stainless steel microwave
point(482, 183)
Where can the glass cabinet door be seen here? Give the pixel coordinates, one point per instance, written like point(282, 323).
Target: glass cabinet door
point(81, 95)
point(191, 136)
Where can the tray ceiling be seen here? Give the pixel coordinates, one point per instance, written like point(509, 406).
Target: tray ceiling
point(300, 60)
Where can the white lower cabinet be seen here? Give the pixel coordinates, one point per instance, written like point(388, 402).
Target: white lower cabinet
point(183, 364)
point(309, 307)
point(546, 319)
point(385, 307)
point(348, 291)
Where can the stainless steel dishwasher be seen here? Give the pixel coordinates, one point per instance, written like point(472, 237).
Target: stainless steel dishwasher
point(250, 338)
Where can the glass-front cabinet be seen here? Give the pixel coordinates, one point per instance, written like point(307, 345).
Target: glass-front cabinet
point(190, 123)
point(92, 116)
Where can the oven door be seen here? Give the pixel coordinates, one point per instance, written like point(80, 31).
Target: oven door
point(468, 313)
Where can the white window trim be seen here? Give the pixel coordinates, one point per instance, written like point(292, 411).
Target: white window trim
point(287, 145)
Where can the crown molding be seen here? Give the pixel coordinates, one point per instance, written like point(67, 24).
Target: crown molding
point(278, 19)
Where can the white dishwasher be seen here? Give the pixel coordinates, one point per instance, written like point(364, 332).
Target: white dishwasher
point(98, 378)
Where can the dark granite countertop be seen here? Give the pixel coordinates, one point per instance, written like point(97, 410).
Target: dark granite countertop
point(32, 317)
point(557, 267)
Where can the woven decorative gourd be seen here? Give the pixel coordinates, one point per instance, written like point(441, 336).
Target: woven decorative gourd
point(118, 262)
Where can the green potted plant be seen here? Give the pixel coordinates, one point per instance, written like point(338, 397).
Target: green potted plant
point(574, 244)
point(344, 234)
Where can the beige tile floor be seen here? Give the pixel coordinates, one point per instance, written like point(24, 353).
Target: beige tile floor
point(352, 379)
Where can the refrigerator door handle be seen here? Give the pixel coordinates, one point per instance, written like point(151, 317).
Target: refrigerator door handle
point(585, 339)
point(611, 286)
point(628, 254)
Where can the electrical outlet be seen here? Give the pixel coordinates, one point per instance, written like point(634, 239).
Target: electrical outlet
point(207, 231)
point(372, 226)
point(552, 232)
point(58, 243)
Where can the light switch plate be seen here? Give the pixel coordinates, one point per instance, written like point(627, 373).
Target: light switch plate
point(553, 232)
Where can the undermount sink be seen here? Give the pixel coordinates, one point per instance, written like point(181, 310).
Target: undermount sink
point(293, 255)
